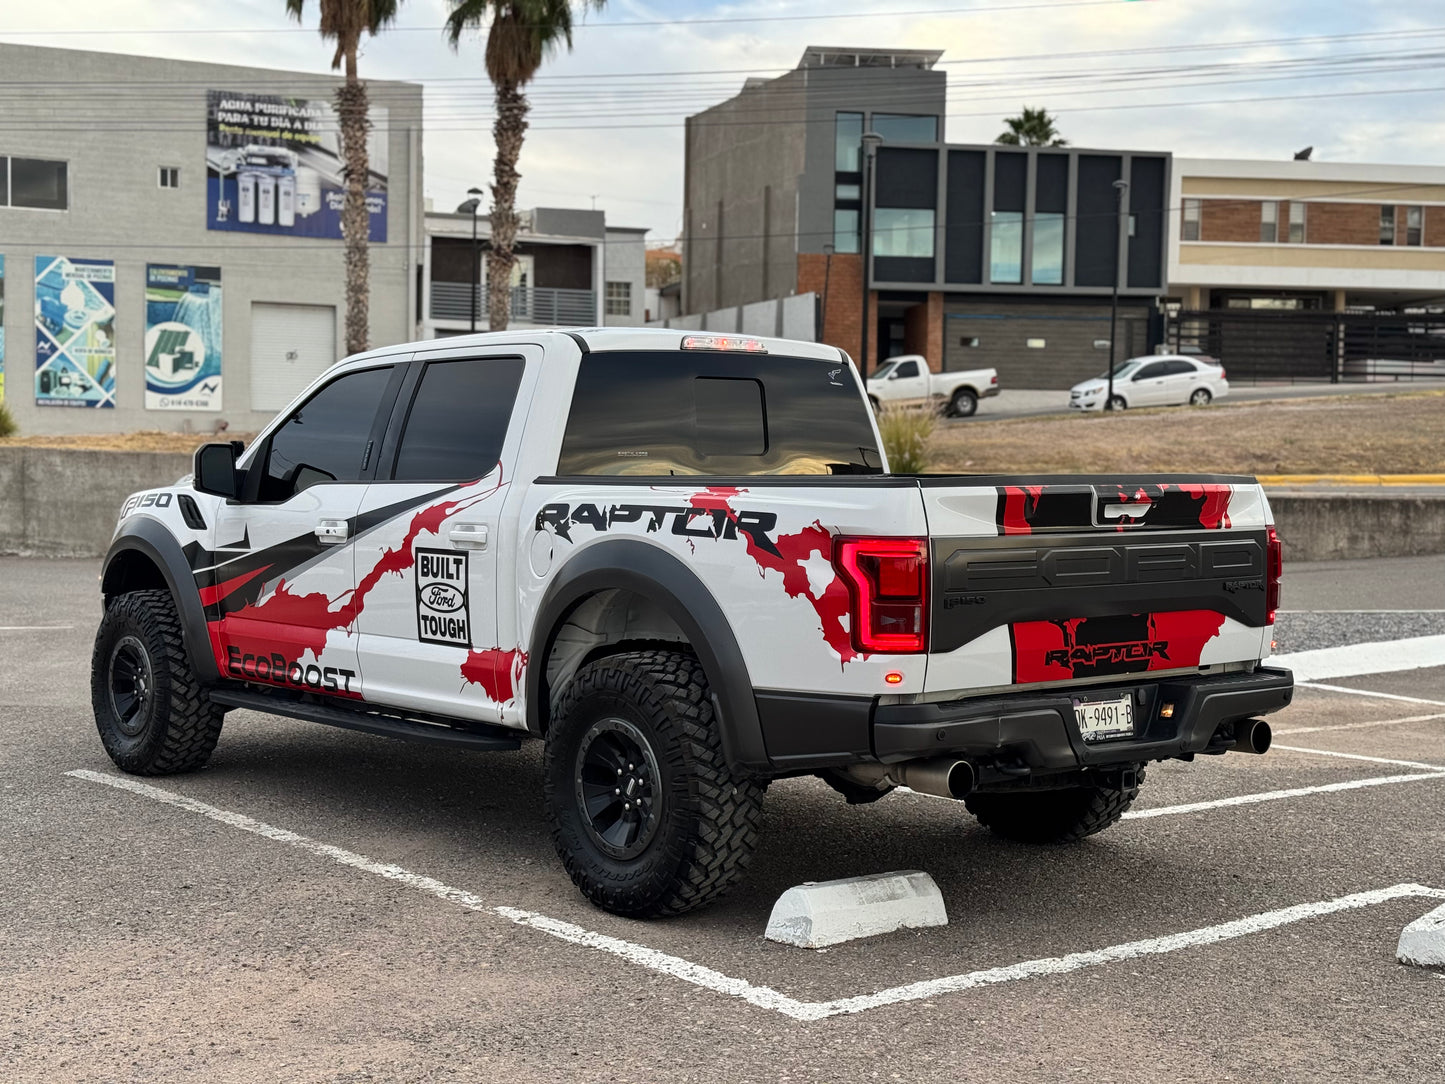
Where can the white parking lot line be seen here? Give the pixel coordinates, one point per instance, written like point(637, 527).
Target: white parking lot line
point(764, 996)
point(1360, 756)
point(1358, 726)
point(36, 628)
point(1378, 657)
point(1365, 692)
point(1277, 795)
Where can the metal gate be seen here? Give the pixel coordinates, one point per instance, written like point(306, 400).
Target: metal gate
point(1314, 347)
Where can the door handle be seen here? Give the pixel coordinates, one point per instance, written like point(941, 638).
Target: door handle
point(468, 536)
point(329, 532)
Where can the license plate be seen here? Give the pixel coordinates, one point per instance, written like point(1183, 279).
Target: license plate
point(1100, 719)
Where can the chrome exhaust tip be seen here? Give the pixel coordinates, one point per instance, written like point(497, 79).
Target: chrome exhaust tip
point(1252, 736)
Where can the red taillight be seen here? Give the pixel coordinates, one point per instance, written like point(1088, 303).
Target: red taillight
point(1274, 572)
point(888, 582)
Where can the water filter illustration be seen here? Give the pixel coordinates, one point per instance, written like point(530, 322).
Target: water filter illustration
point(286, 200)
point(266, 200)
point(246, 197)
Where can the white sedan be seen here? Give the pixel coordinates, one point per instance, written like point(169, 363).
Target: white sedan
point(1154, 380)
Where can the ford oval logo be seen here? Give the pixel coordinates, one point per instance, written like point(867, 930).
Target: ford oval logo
point(442, 598)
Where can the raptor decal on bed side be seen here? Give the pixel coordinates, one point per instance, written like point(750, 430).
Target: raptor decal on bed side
point(710, 514)
point(1178, 506)
point(1125, 644)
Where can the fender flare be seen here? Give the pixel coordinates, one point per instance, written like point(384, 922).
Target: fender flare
point(632, 565)
point(149, 537)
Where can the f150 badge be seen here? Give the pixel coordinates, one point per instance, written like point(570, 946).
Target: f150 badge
point(441, 598)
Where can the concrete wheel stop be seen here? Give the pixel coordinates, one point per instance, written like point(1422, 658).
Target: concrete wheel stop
point(821, 913)
point(1422, 943)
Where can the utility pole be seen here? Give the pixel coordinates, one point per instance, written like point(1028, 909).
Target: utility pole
point(869, 148)
point(473, 205)
point(1121, 190)
point(827, 274)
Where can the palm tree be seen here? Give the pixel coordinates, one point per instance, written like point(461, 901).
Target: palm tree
point(520, 34)
point(1032, 128)
point(344, 21)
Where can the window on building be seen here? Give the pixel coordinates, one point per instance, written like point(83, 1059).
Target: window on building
point(848, 192)
point(898, 128)
point(34, 183)
point(170, 176)
point(847, 139)
point(458, 420)
point(1192, 209)
point(326, 439)
point(1048, 263)
point(903, 231)
point(1387, 225)
point(1414, 220)
point(1269, 221)
point(619, 299)
point(845, 230)
point(1006, 247)
point(1296, 223)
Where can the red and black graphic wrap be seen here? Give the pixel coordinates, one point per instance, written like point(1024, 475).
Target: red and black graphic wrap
point(1033, 509)
point(1079, 647)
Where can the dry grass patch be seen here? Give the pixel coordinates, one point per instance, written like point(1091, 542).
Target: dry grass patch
point(1353, 434)
point(147, 440)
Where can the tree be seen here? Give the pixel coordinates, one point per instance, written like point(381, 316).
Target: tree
point(344, 21)
point(1032, 128)
point(520, 34)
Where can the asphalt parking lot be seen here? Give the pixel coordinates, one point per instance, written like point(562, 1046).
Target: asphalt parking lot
point(321, 905)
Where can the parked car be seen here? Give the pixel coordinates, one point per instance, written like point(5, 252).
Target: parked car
point(680, 564)
point(906, 379)
point(1154, 380)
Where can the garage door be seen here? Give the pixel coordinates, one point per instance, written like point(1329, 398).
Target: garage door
point(291, 345)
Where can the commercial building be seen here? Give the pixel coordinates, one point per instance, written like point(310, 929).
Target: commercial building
point(170, 239)
point(977, 254)
point(1310, 270)
point(571, 268)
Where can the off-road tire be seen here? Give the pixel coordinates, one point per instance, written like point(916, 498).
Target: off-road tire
point(964, 404)
point(707, 816)
point(175, 726)
point(1053, 816)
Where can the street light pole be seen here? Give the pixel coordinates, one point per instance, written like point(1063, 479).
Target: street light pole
point(868, 144)
point(1121, 189)
point(476, 202)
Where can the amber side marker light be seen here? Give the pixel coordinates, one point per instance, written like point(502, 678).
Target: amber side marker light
point(1167, 711)
point(893, 677)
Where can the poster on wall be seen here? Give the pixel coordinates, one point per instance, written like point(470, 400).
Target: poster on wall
point(274, 165)
point(74, 332)
point(2, 328)
point(183, 337)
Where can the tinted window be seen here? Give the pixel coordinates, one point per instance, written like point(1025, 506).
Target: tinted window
point(39, 184)
point(907, 368)
point(897, 128)
point(458, 420)
point(1152, 371)
point(325, 440)
point(1181, 367)
point(691, 412)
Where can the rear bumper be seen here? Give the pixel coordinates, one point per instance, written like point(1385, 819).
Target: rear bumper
point(992, 389)
point(1038, 731)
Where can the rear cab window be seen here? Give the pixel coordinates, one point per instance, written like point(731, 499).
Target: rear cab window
point(661, 413)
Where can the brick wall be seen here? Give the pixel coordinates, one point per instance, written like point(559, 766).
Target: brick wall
point(1229, 220)
point(1435, 226)
point(843, 301)
point(923, 330)
point(1343, 224)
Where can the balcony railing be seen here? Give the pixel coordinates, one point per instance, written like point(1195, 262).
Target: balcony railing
point(543, 306)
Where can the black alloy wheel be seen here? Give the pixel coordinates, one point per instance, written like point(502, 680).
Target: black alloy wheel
point(617, 782)
point(131, 681)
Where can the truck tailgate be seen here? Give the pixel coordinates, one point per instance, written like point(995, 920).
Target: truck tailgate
point(1064, 581)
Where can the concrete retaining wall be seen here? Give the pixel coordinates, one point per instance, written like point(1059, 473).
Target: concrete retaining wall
point(59, 502)
point(1330, 527)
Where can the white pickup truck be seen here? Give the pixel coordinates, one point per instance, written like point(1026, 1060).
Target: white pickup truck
point(679, 563)
point(906, 379)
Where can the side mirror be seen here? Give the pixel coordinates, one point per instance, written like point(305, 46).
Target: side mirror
point(215, 470)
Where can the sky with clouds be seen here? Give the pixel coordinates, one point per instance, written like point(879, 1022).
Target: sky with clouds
point(1360, 80)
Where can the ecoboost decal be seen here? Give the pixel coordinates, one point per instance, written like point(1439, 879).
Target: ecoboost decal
point(441, 598)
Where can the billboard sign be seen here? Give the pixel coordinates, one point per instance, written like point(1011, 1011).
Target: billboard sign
point(183, 337)
point(274, 165)
point(2, 328)
point(74, 332)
